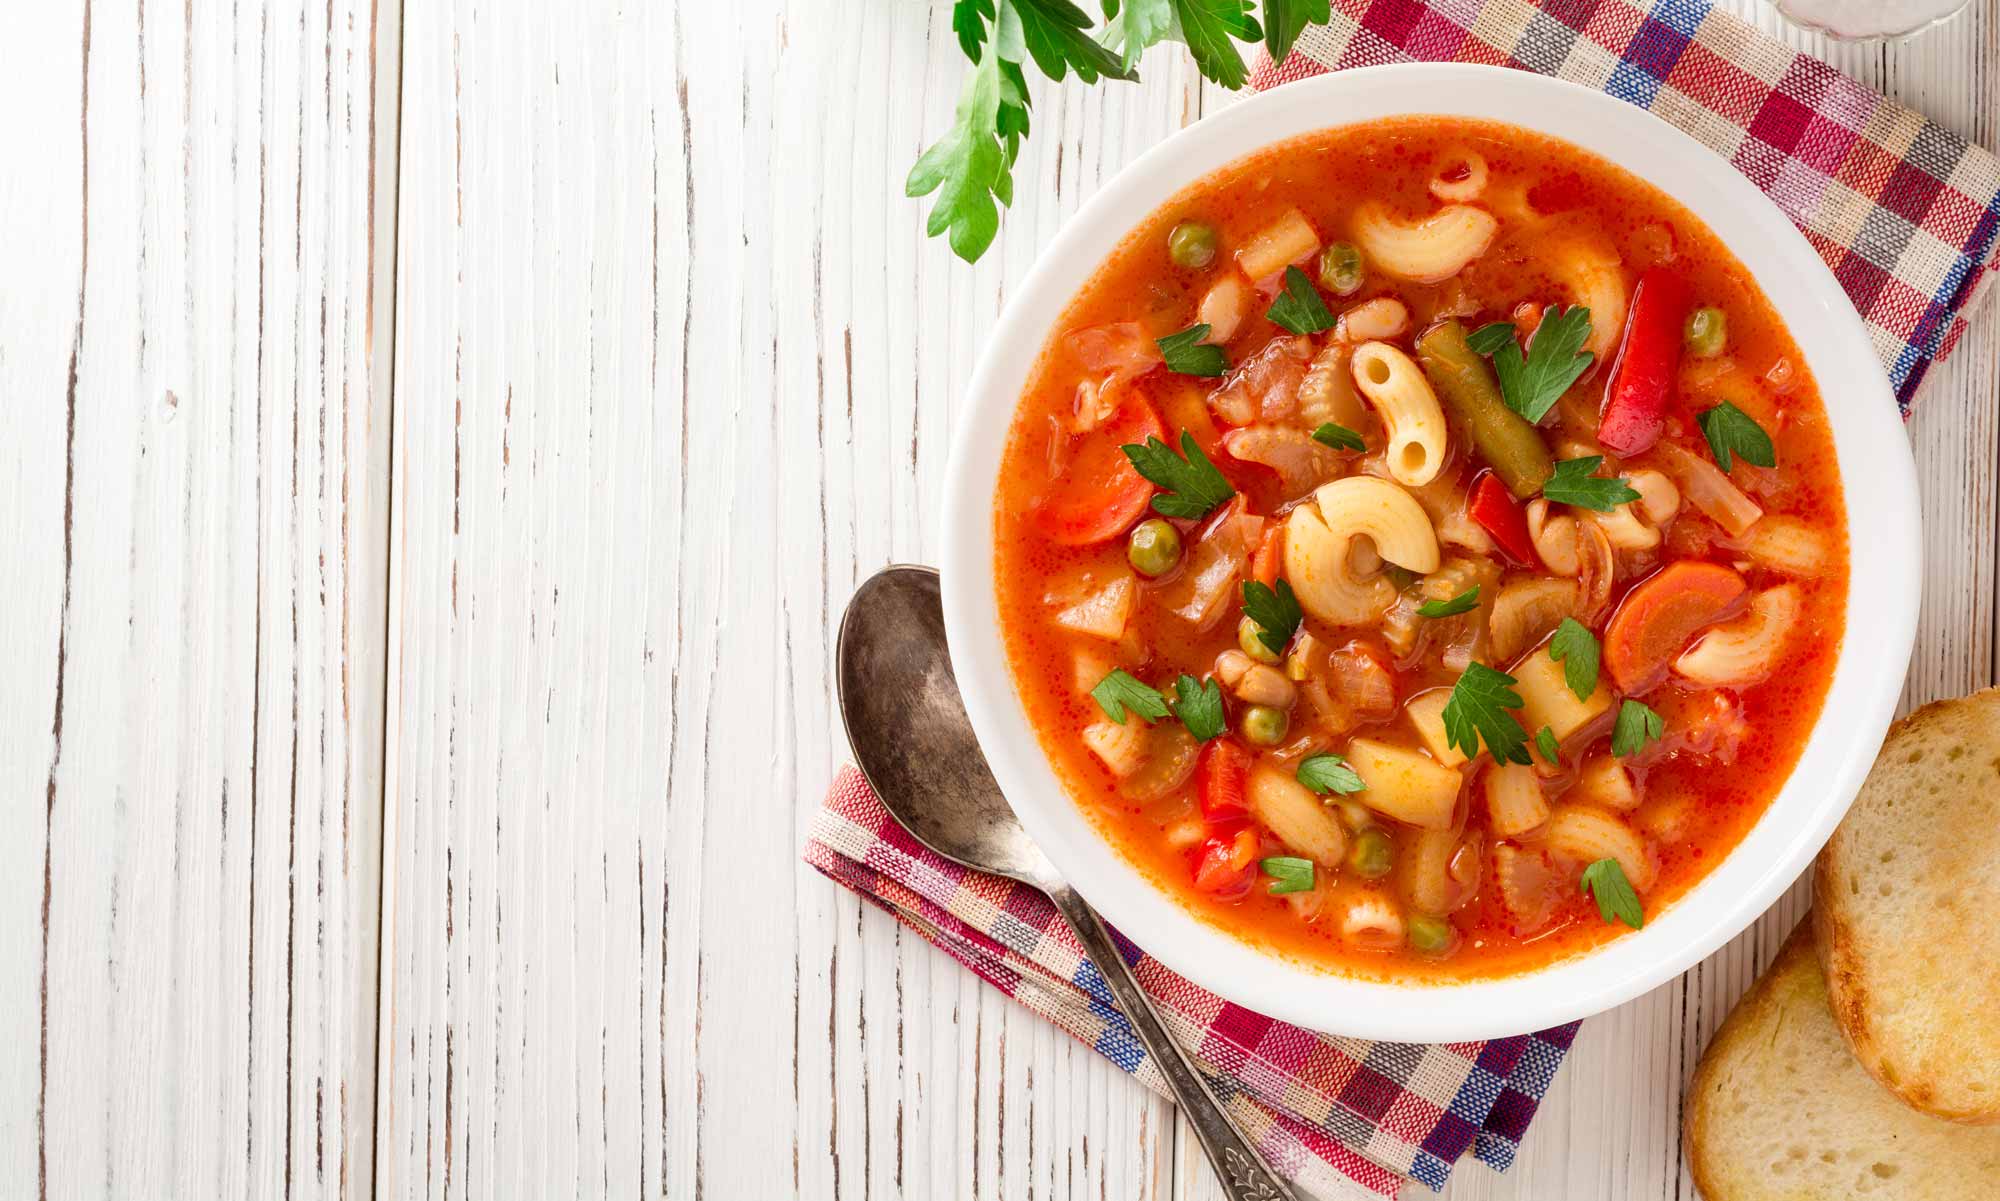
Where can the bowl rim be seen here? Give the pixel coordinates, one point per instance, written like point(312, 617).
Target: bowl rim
point(1873, 462)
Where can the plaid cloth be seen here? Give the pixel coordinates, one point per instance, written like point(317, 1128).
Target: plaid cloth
point(1329, 1113)
point(1905, 212)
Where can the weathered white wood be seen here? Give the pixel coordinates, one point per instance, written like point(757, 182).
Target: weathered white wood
point(192, 626)
point(676, 368)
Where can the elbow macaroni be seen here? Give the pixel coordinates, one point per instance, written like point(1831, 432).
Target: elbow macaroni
point(1586, 834)
point(1397, 388)
point(1372, 921)
point(1787, 544)
point(1320, 540)
point(1427, 871)
point(1468, 186)
point(1427, 251)
point(1593, 274)
point(1514, 803)
point(1745, 650)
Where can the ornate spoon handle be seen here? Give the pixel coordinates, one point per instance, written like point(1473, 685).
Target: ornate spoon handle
point(1244, 1174)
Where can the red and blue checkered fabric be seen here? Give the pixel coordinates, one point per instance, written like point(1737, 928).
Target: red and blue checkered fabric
point(1337, 1115)
point(1906, 213)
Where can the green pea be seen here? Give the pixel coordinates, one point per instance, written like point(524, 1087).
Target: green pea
point(1263, 725)
point(1707, 330)
point(1252, 645)
point(1340, 270)
point(1372, 853)
point(1191, 244)
point(1154, 548)
point(1430, 935)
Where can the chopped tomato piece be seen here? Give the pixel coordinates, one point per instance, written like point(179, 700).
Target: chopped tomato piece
point(1222, 774)
point(1642, 379)
point(1224, 867)
point(1270, 556)
point(1499, 514)
point(1099, 495)
point(1656, 619)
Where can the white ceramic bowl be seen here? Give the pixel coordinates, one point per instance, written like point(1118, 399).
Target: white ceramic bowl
point(1876, 472)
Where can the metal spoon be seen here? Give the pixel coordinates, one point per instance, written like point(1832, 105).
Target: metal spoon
point(899, 700)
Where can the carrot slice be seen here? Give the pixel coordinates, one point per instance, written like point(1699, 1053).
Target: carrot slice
point(1098, 495)
point(1658, 617)
point(1269, 557)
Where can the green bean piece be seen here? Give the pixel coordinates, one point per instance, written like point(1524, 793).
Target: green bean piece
point(1263, 725)
point(1371, 854)
point(1340, 269)
point(1154, 548)
point(1251, 644)
point(1466, 385)
point(1191, 244)
point(1429, 935)
point(1707, 331)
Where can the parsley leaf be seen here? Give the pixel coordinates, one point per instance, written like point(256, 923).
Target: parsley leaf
point(1490, 337)
point(1339, 437)
point(1276, 613)
point(1288, 874)
point(1284, 20)
point(1325, 772)
point(1575, 483)
point(968, 21)
point(1298, 307)
point(1464, 602)
point(1187, 355)
point(1056, 34)
point(1200, 707)
point(1531, 385)
point(1193, 485)
point(1637, 725)
point(1207, 27)
point(1606, 883)
point(1545, 742)
point(1119, 691)
point(1478, 710)
point(968, 167)
point(1730, 430)
point(1575, 647)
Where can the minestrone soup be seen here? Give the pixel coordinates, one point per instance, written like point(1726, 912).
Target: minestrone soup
point(1420, 548)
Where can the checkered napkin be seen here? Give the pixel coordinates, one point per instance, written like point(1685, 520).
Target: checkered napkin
point(1328, 1113)
point(1903, 211)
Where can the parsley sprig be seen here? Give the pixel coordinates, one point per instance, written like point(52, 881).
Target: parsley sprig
point(1298, 307)
point(1733, 433)
point(1327, 772)
point(1186, 354)
point(1576, 482)
point(1276, 612)
point(1339, 437)
point(1478, 711)
point(1532, 383)
point(1636, 726)
point(1197, 703)
point(1193, 486)
point(1575, 647)
point(1121, 691)
point(971, 167)
point(1288, 873)
point(1464, 602)
point(1199, 707)
point(1616, 901)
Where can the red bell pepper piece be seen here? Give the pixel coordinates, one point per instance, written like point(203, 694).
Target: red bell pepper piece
point(1642, 379)
point(1225, 867)
point(1499, 514)
point(1222, 776)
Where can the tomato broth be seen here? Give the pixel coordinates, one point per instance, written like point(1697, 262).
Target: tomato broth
point(1264, 699)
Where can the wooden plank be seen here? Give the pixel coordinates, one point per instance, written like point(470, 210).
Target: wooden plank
point(192, 623)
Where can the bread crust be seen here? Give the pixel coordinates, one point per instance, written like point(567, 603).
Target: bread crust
point(1853, 978)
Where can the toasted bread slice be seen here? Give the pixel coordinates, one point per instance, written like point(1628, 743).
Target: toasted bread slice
point(1906, 898)
point(1779, 1111)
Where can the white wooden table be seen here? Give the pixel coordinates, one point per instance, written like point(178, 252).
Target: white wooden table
point(435, 449)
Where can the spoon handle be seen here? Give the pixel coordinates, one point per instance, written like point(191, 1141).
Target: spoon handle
point(1245, 1177)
